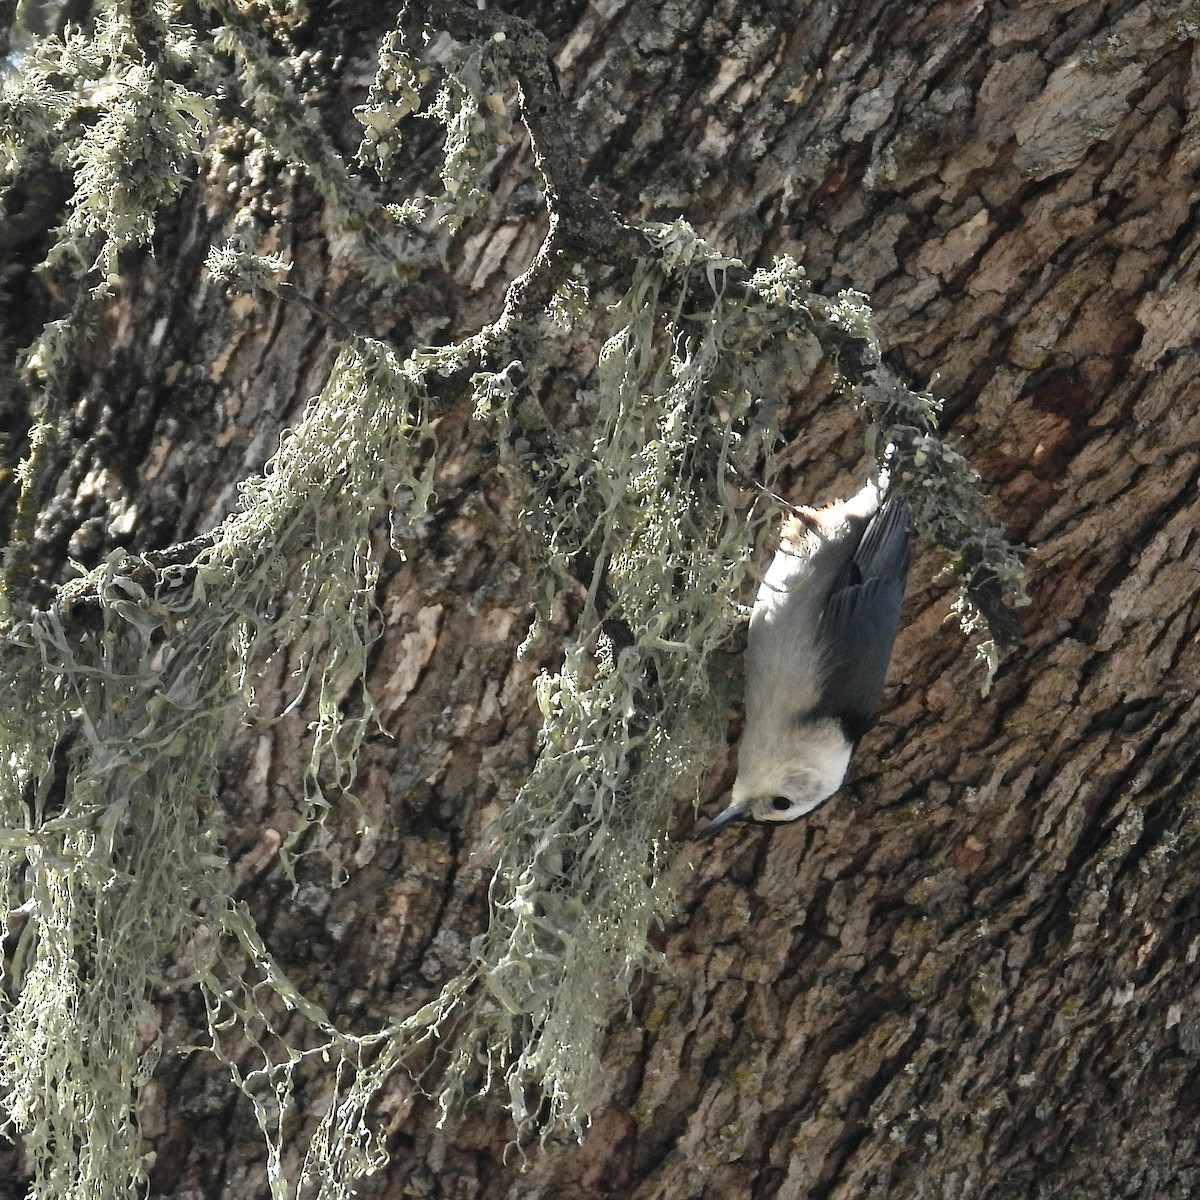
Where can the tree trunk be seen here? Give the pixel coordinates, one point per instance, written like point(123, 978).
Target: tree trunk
point(972, 972)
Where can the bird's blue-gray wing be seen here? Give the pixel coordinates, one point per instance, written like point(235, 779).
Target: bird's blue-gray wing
point(861, 618)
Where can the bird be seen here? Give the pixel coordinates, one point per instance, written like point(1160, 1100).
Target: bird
point(820, 639)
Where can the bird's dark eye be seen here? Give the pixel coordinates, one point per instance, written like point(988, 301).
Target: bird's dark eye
point(780, 803)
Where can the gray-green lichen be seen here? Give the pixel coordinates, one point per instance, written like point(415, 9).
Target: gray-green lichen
point(123, 694)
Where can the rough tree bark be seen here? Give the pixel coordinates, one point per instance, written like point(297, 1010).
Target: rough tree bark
point(973, 972)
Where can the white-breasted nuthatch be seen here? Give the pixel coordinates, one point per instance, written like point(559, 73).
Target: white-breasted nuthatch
point(820, 639)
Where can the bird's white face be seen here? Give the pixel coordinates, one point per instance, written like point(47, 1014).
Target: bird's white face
point(802, 766)
point(788, 777)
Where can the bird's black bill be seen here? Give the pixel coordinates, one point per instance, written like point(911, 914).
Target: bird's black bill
point(734, 812)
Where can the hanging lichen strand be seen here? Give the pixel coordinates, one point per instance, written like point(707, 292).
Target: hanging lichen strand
point(637, 516)
point(110, 747)
point(308, 524)
point(109, 751)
